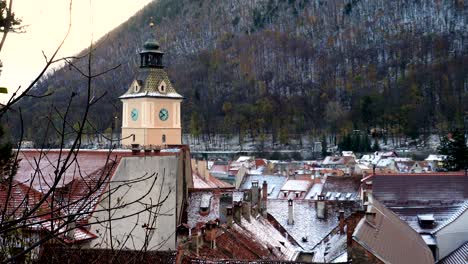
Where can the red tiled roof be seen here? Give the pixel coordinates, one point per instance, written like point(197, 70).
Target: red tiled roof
point(22, 198)
point(211, 183)
point(260, 163)
point(40, 167)
point(219, 168)
point(439, 174)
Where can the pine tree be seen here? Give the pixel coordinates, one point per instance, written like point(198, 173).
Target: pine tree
point(324, 147)
point(454, 147)
point(376, 146)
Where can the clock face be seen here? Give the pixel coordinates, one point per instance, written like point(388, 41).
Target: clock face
point(134, 114)
point(163, 114)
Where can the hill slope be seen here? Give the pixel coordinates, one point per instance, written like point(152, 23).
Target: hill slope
point(287, 67)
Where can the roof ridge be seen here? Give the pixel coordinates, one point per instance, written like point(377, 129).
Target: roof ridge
point(454, 217)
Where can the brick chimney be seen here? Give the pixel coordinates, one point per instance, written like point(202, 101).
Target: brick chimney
point(351, 223)
point(321, 207)
point(210, 233)
point(264, 198)
point(229, 216)
point(342, 221)
point(290, 212)
point(237, 212)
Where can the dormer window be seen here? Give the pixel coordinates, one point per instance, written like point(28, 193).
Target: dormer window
point(205, 204)
point(162, 87)
point(136, 88)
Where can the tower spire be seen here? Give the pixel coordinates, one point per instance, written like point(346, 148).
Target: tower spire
point(151, 56)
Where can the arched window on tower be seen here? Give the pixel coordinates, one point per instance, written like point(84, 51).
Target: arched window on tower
point(164, 139)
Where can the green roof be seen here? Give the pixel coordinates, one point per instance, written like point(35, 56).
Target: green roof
point(149, 79)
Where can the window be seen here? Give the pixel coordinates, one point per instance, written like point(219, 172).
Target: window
point(164, 139)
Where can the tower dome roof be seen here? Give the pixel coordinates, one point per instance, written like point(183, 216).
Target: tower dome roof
point(151, 44)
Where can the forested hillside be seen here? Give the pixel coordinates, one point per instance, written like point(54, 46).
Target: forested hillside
point(288, 67)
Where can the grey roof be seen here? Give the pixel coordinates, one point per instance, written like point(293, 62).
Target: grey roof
point(331, 247)
point(458, 256)
point(306, 224)
point(423, 187)
point(441, 212)
point(454, 217)
point(341, 188)
point(272, 180)
point(150, 79)
point(390, 239)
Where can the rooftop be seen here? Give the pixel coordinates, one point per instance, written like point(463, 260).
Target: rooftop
point(416, 188)
point(306, 224)
point(341, 188)
point(150, 79)
point(274, 182)
point(297, 185)
point(440, 212)
point(458, 256)
point(390, 239)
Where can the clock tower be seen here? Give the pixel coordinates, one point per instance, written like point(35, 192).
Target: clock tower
point(151, 105)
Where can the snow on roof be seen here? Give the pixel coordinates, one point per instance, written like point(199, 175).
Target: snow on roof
point(258, 171)
point(306, 224)
point(244, 158)
point(237, 196)
point(435, 157)
point(454, 217)
point(262, 230)
point(197, 200)
point(205, 200)
point(383, 163)
point(296, 185)
point(153, 94)
point(315, 191)
point(331, 248)
point(272, 180)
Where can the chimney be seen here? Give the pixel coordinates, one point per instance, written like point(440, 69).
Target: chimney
point(342, 221)
point(351, 223)
point(370, 217)
point(135, 149)
point(246, 213)
point(210, 234)
point(255, 193)
point(321, 207)
point(229, 216)
point(290, 212)
point(237, 212)
point(196, 241)
point(264, 191)
point(264, 198)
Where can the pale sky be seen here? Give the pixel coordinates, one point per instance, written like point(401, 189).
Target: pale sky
point(47, 22)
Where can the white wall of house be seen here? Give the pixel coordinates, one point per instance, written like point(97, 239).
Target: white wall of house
point(452, 236)
point(132, 232)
